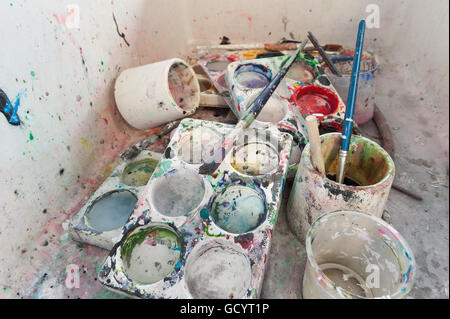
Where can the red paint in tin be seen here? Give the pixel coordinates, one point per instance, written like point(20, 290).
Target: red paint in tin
point(315, 100)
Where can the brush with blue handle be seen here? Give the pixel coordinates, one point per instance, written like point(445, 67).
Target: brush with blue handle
point(350, 109)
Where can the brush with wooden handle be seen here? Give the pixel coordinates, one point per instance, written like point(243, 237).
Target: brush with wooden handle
point(315, 144)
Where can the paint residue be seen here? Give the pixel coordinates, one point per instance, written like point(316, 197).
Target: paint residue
point(150, 254)
point(238, 209)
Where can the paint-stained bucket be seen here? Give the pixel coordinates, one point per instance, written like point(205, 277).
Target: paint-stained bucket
point(369, 175)
point(150, 95)
point(355, 255)
point(365, 99)
point(218, 270)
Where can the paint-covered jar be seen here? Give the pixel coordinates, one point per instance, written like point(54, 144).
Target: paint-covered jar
point(369, 175)
point(151, 95)
point(365, 99)
point(352, 255)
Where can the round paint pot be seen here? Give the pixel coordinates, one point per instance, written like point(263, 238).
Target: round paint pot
point(218, 269)
point(150, 253)
point(239, 209)
point(154, 94)
point(252, 76)
point(315, 100)
point(178, 193)
point(138, 173)
point(368, 179)
point(353, 255)
point(110, 211)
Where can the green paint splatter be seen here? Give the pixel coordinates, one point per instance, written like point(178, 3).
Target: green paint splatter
point(59, 117)
point(31, 136)
point(163, 167)
point(101, 62)
point(33, 74)
point(212, 235)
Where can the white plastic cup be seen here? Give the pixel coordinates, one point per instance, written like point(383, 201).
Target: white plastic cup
point(151, 95)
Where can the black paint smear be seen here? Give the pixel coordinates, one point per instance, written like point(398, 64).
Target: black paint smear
point(347, 195)
point(168, 153)
point(61, 171)
point(83, 60)
point(225, 40)
point(8, 109)
point(122, 35)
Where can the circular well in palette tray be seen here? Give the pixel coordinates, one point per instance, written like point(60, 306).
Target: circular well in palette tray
point(111, 210)
point(273, 111)
point(315, 100)
point(150, 253)
point(193, 147)
point(239, 209)
point(252, 76)
point(218, 270)
point(255, 158)
point(300, 72)
point(138, 173)
point(177, 194)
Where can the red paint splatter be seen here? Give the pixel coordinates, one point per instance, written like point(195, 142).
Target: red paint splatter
point(106, 120)
point(244, 240)
point(249, 19)
point(286, 126)
point(233, 57)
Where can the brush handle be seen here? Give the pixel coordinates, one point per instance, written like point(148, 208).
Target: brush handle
point(314, 142)
point(323, 54)
point(353, 89)
point(251, 114)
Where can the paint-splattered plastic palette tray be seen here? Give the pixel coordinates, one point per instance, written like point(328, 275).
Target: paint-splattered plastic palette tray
point(199, 236)
point(101, 219)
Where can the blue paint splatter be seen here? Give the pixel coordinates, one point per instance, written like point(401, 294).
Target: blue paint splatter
point(7, 108)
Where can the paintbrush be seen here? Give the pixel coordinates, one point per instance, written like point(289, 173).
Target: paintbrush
point(314, 144)
point(350, 109)
point(323, 54)
point(137, 148)
point(249, 116)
